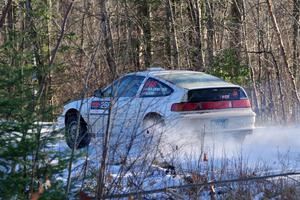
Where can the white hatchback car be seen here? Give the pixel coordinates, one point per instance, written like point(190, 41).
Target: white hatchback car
point(172, 98)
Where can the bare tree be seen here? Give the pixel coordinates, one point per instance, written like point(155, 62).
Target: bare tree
point(107, 37)
point(209, 11)
point(5, 10)
point(296, 11)
point(283, 53)
point(236, 9)
point(170, 24)
point(145, 23)
point(195, 16)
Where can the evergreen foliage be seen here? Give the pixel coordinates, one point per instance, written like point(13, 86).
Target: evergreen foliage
point(28, 157)
point(227, 67)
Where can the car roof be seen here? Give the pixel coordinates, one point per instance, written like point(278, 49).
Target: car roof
point(206, 80)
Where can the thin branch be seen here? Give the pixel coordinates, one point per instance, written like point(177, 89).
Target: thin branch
point(85, 90)
point(283, 52)
point(61, 35)
point(197, 185)
point(4, 13)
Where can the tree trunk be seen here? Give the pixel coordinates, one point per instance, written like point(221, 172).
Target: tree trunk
point(295, 37)
point(133, 42)
point(249, 64)
point(295, 42)
point(210, 32)
point(168, 45)
point(283, 53)
point(195, 15)
point(173, 33)
point(107, 37)
point(5, 10)
point(110, 58)
point(186, 52)
point(144, 13)
point(235, 45)
point(259, 38)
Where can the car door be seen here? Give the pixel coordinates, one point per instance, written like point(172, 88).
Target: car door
point(98, 109)
point(120, 95)
point(125, 107)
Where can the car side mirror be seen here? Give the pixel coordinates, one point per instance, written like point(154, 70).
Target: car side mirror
point(98, 93)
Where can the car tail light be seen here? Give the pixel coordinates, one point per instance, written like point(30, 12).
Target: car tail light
point(243, 103)
point(216, 105)
point(178, 107)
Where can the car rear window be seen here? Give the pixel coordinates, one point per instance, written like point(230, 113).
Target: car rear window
point(216, 94)
point(155, 88)
point(187, 80)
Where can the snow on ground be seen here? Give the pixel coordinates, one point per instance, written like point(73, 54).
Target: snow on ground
point(277, 147)
point(273, 149)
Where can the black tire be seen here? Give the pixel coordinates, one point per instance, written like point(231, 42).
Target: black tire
point(83, 138)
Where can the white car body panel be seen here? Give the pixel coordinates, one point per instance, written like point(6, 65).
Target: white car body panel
point(128, 113)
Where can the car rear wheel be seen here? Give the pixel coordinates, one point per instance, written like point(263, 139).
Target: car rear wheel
point(83, 138)
point(153, 124)
point(153, 136)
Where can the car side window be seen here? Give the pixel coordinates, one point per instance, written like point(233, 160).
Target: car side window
point(125, 87)
point(155, 88)
point(107, 92)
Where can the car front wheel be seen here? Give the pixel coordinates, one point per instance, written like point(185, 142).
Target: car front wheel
point(76, 135)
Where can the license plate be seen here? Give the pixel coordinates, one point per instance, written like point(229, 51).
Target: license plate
point(219, 123)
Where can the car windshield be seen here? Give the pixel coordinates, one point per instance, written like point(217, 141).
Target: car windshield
point(189, 80)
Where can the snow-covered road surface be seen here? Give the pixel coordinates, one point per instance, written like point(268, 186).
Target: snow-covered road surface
point(276, 147)
point(269, 150)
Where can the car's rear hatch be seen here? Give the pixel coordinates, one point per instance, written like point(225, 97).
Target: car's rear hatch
point(222, 108)
point(211, 102)
point(213, 99)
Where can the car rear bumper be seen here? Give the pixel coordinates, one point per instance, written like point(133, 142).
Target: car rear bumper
point(242, 120)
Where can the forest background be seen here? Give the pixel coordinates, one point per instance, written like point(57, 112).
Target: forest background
point(53, 51)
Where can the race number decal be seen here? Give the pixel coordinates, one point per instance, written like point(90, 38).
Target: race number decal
point(99, 105)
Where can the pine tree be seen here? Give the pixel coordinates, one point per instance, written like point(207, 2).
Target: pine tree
point(27, 153)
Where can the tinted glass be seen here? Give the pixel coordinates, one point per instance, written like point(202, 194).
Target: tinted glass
point(154, 88)
point(124, 87)
point(187, 80)
point(216, 94)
